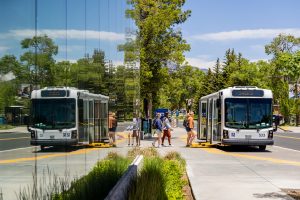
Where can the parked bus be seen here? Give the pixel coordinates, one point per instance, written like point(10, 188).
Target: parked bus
point(240, 115)
point(67, 116)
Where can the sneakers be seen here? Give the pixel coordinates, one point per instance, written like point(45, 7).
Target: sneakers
point(162, 145)
point(158, 146)
point(153, 144)
point(170, 145)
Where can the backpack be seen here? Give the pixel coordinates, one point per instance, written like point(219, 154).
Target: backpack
point(186, 123)
point(154, 125)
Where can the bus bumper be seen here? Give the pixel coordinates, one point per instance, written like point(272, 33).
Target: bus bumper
point(250, 142)
point(54, 142)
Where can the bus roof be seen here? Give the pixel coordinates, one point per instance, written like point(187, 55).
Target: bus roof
point(242, 92)
point(65, 92)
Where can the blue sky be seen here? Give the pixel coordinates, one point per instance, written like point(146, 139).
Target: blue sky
point(66, 22)
point(245, 25)
point(215, 26)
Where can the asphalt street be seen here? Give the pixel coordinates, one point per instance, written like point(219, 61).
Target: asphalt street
point(10, 140)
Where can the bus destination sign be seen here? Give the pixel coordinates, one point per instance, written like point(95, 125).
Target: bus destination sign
point(54, 93)
point(248, 93)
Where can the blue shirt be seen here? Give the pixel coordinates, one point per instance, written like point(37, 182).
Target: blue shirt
point(158, 124)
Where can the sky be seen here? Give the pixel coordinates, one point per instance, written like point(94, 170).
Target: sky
point(245, 25)
point(80, 26)
point(76, 26)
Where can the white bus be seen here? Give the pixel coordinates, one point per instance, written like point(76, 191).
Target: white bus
point(67, 116)
point(240, 115)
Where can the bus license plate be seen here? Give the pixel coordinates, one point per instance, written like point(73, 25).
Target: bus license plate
point(248, 137)
point(51, 136)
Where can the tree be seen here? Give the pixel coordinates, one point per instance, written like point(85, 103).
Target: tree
point(158, 42)
point(218, 77)
point(39, 59)
point(282, 43)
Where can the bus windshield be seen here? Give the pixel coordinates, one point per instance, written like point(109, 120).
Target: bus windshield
point(248, 113)
point(53, 113)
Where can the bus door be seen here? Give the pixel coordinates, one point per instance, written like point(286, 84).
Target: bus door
point(97, 135)
point(209, 120)
point(104, 120)
point(216, 121)
point(202, 133)
point(91, 122)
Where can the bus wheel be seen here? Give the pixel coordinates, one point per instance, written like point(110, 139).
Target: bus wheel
point(262, 147)
point(42, 147)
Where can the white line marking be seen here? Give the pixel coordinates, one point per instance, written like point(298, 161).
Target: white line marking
point(16, 149)
point(286, 148)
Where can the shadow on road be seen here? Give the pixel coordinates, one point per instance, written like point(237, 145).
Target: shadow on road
point(242, 149)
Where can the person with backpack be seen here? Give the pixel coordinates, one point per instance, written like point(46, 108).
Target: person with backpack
point(166, 129)
point(187, 128)
point(157, 126)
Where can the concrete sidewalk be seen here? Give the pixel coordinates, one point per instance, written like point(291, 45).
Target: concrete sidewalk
point(19, 129)
point(214, 175)
point(294, 129)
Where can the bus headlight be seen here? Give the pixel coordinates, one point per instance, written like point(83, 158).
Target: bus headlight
point(32, 133)
point(270, 135)
point(225, 134)
point(74, 134)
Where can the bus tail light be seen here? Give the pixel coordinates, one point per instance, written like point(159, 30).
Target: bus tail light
point(74, 134)
point(32, 134)
point(270, 135)
point(225, 134)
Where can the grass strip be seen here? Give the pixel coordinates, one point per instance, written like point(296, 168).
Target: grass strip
point(98, 183)
point(160, 178)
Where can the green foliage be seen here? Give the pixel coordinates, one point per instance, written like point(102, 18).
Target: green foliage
point(38, 59)
point(158, 41)
point(98, 183)
point(162, 178)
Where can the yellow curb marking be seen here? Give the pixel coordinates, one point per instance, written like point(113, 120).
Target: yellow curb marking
point(4, 139)
point(286, 137)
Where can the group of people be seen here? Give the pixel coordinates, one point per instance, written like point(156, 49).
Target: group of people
point(162, 126)
point(162, 129)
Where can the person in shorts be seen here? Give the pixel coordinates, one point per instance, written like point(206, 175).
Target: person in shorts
point(191, 133)
point(158, 130)
point(112, 125)
point(135, 132)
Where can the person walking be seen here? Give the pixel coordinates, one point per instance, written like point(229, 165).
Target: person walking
point(191, 133)
point(157, 125)
point(135, 132)
point(112, 125)
point(166, 129)
point(187, 128)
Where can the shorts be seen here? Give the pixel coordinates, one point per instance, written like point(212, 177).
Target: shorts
point(112, 129)
point(158, 132)
point(135, 133)
point(188, 129)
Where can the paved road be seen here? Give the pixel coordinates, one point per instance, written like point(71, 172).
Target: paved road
point(287, 140)
point(20, 138)
point(10, 141)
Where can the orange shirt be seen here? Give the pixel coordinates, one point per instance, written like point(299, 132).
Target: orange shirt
point(191, 122)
